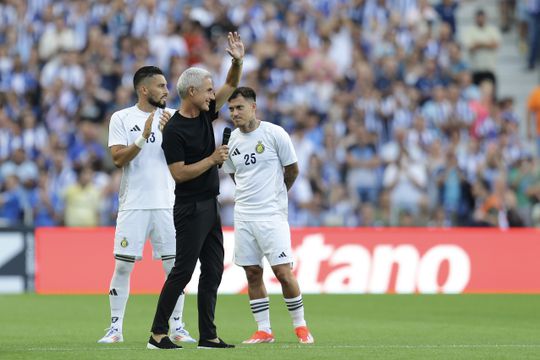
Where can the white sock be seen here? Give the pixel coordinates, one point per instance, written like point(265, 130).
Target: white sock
point(119, 291)
point(296, 310)
point(261, 312)
point(176, 316)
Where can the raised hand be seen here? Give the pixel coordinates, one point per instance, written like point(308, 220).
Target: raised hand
point(236, 46)
point(163, 119)
point(148, 125)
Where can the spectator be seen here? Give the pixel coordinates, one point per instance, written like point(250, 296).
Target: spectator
point(24, 169)
point(523, 25)
point(383, 214)
point(493, 167)
point(362, 163)
point(450, 179)
point(446, 9)
point(506, 14)
point(339, 208)
point(168, 44)
point(46, 206)
point(57, 36)
point(456, 63)
point(482, 40)
point(524, 180)
point(60, 171)
point(500, 206)
point(85, 146)
point(110, 203)
point(11, 202)
point(406, 180)
point(533, 13)
point(34, 137)
point(430, 78)
point(82, 201)
point(533, 118)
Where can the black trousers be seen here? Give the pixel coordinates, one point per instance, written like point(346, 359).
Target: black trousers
point(198, 236)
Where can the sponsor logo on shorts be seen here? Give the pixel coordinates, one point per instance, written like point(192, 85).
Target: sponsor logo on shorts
point(124, 243)
point(259, 148)
point(282, 255)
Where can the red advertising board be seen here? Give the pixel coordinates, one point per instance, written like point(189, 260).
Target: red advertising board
point(327, 260)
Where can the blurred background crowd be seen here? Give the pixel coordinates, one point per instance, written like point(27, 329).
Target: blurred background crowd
point(393, 109)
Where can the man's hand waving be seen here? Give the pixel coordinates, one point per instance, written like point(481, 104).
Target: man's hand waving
point(236, 50)
point(236, 46)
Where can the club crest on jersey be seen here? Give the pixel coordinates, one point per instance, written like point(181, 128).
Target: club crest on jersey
point(259, 148)
point(124, 243)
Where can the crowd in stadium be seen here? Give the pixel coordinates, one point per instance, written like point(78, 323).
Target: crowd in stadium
point(392, 123)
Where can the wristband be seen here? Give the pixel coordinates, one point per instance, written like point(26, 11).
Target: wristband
point(140, 141)
point(237, 61)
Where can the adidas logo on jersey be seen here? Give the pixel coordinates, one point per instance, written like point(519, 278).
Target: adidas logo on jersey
point(236, 152)
point(282, 255)
point(136, 128)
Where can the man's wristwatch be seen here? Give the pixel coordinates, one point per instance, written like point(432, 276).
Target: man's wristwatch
point(237, 61)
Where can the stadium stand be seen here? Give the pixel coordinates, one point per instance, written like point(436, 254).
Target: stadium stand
point(379, 97)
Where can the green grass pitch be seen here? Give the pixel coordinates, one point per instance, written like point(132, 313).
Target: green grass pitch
point(344, 327)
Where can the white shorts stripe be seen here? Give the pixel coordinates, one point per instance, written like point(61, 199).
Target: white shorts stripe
point(255, 240)
point(133, 227)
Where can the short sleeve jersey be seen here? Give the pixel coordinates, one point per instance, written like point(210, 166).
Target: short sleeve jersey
point(257, 159)
point(190, 140)
point(146, 181)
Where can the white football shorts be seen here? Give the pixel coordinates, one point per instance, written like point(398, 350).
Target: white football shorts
point(133, 227)
point(254, 240)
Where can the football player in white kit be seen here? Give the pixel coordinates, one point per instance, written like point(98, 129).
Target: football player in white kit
point(146, 196)
point(263, 164)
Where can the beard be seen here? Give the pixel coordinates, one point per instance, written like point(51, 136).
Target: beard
point(158, 104)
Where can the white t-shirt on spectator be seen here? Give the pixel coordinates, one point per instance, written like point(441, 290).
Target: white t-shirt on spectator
point(405, 193)
point(482, 59)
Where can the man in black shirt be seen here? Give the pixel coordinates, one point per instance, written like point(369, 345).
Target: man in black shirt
point(189, 147)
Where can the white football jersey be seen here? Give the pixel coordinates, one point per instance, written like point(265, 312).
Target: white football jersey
point(146, 180)
point(257, 159)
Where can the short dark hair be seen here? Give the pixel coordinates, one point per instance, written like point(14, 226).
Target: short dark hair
point(480, 12)
point(145, 72)
point(246, 92)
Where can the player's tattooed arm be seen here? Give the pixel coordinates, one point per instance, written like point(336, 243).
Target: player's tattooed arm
point(290, 174)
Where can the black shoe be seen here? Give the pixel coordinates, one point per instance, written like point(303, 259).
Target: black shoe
point(164, 344)
point(206, 344)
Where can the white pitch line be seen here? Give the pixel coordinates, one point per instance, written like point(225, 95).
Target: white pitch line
point(307, 347)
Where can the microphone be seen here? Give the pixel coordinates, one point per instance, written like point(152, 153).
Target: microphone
point(225, 141)
point(226, 136)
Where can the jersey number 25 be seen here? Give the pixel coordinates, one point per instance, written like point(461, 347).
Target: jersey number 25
point(250, 158)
